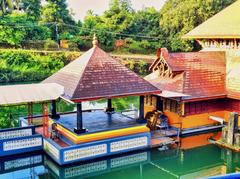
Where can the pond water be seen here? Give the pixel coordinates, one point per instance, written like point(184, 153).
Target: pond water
point(193, 158)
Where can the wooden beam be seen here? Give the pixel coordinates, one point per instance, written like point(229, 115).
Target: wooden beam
point(45, 120)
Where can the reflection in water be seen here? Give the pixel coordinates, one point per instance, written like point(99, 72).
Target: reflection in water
point(188, 160)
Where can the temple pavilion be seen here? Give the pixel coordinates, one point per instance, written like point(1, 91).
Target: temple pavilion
point(96, 75)
point(199, 89)
point(80, 135)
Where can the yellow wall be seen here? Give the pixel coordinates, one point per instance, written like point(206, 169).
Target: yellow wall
point(190, 121)
point(149, 105)
point(197, 120)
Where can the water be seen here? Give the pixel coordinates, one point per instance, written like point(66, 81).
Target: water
point(193, 158)
point(186, 161)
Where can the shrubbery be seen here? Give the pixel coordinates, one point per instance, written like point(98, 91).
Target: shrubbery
point(20, 66)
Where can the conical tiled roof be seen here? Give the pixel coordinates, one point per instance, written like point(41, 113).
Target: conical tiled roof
point(96, 75)
point(225, 24)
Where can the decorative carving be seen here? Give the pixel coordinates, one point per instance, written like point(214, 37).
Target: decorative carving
point(15, 133)
point(220, 43)
point(163, 68)
point(128, 144)
point(85, 152)
point(22, 144)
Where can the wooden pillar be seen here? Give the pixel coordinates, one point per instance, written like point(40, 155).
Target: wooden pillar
point(109, 106)
point(30, 113)
point(45, 120)
point(141, 108)
point(109, 103)
point(159, 104)
point(79, 129)
point(54, 110)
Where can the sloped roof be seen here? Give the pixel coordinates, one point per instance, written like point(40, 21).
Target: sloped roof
point(96, 75)
point(19, 94)
point(225, 24)
point(203, 75)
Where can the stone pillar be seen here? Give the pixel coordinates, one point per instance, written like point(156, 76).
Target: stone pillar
point(224, 134)
point(237, 140)
point(232, 127)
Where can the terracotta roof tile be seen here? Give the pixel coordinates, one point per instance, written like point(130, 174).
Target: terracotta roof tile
point(97, 75)
point(203, 74)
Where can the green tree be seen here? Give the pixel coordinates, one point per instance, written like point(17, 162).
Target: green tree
point(56, 13)
point(5, 6)
point(16, 28)
point(180, 16)
point(32, 8)
point(118, 16)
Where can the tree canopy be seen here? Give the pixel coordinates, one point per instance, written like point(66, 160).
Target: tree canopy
point(141, 31)
point(180, 16)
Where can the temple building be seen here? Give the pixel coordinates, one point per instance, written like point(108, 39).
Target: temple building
point(199, 89)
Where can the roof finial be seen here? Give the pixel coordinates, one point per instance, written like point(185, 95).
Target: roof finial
point(95, 41)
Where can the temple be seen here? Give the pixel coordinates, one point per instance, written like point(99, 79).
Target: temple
point(184, 93)
point(89, 134)
point(199, 89)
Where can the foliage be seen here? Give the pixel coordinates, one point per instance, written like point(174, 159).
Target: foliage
point(50, 44)
point(32, 8)
point(139, 67)
point(6, 6)
point(56, 13)
point(144, 31)
point(180, 16)
point(9, 115)
point(20, 66)
point(120, 104)
point(16, 28)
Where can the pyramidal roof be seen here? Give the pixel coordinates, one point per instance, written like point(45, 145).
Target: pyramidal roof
point(96, 75)
point(225, 24)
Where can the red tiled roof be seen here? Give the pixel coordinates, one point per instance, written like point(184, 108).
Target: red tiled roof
point(96, 75)
point(203, 74)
